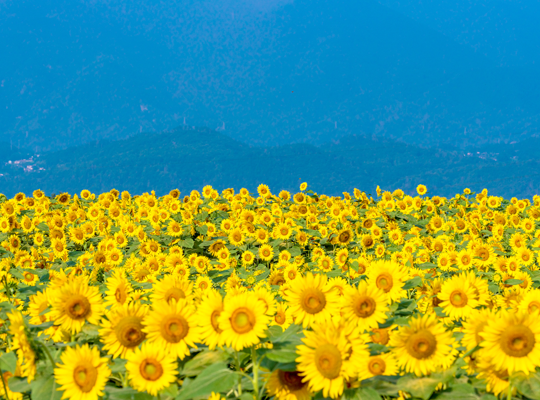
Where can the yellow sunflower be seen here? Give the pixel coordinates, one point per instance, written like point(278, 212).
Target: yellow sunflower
point(76, 303)
point(150, 368)
point(82, 374)
point(389, 277)
point(458, 298)
point(208, 313)
point(311, 299)
point(322, 359)
point(366, 305)
point(26, 357)
point(173, 327)
point(118, 289)
point(382, 364)
point(422, 346)
point(243, 320)
point(287, 385)
point(512, 340)
point(172, 287)
point(122, 332)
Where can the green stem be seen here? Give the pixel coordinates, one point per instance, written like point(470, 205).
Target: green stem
point(47, 353)
point(238, 369)
point(509, 395)
point(4, 383)
point(255, 373)
point(8, 291)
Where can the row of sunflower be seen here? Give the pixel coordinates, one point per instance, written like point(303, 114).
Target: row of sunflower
point(257, 296)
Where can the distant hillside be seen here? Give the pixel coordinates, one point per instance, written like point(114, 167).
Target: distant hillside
point(188, 159)
point(308, 71)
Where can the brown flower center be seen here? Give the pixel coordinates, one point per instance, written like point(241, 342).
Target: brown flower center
point(151, 369)
point(77, 307)
point(328, 360)
point(384, 281)
point(129, 331)
point(364, 306)
point(174, 328)
point(242, 320)
point(313, 301)
point(85, 377)
point(458, 298)
point(214, 321)
point(376, 366)
point(380, 336)
point(174, 293)
point(421, 344)
point(517, 340)
point(120, 295)
point(291, 380)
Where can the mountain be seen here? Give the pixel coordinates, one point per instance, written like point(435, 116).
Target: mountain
point(293, 71)
point(190, 158)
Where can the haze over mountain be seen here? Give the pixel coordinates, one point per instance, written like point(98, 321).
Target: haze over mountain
point(188, 159)
point(271, 73)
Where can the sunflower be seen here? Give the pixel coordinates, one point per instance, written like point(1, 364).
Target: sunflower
point(311, 299)
point(248, 258)
point(150, 368)
point(382, 364)
point(243, 320)
point(389, 277)
point(322, 359)
point(172, 287)
point(287, 385)
point(474, 326)
point(282, 317)
point(25, 353)
point(122, 332)
point(266, 252)
point(365, 305)
point(208, 312)
point(236, 237)
point(458, 298)
point(82, 374)
point(173, 326)
point(422, 346)
point(282, 231)
point(421, 190)
point(325, 263)
point(497, 380)
point(203, 283)
point(75, 303)
point(267, 298)
point(512, 340)
point(530, 302)
point(118, 289)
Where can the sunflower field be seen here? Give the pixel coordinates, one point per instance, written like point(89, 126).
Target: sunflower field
point(262, 296)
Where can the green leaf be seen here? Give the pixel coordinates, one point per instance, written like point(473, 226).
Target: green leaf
point(365, 393)
point(284, 355)
point(18, 385)
point(216, 378)
point(295, 251)
point(513, 282)
point(187, 243)
point(126, 394)
point(291, 334)
point(528, 386)
point(412, 283)
point(427, 265)
point(42, 226)
point(8, 362)
point(201, 361)
point(461, 391)
point(45, 388)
